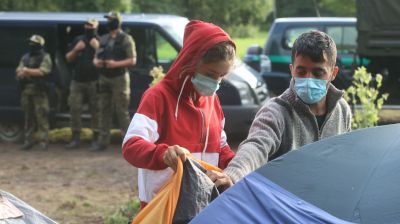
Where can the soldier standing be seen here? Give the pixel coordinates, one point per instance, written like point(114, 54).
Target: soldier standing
point(116, 53)
point(31, 72)
point(84, 80)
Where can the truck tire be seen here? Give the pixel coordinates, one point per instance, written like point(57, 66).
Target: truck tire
point(11, 131)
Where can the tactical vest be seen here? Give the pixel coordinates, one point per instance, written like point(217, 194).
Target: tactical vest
point(116, 52)
point(84, 69)
point(33, 61)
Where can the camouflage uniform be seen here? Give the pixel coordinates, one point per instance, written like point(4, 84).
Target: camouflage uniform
point(34, 99)
point(83, 84)
point(77, 93)
point(114, 84)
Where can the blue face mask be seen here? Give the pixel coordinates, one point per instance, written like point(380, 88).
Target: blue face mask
point(204, 85)
point(310, 90)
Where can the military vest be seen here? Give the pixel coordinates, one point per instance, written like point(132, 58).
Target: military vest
point(33, 61)
point(115, 52)
point(84, 69)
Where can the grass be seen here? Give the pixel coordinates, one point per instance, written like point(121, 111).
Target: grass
point(243, 43)
point(124, 214)
point(166, 52)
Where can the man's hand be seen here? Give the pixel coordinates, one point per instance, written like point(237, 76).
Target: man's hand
point(79, 46)
point(94, 43)
point(98, 63)
point(172, 154)
point(219, 179)
point(22, 73)
point(111, 64)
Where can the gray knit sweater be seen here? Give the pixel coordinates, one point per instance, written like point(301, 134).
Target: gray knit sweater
point(286, 123)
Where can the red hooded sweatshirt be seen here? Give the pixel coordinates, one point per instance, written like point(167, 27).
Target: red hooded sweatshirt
point(173, 113)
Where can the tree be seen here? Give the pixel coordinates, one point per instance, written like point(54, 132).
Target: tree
point(308, 8)
point(66, 5)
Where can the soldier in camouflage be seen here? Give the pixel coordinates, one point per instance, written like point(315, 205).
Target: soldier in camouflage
point(117, 52)
point(31, 74)
point(84, 80)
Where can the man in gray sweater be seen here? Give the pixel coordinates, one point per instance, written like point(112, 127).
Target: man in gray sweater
point(309, 110)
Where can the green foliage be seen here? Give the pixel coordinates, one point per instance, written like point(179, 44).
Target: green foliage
point(124, 214)
point(307, 8)
point(157, 74)
point(366, 93)
point(66, 5)
point(242, 17)
point(337, 7)
point(243, 31)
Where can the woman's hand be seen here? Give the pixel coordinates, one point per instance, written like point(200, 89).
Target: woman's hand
point(173, 153)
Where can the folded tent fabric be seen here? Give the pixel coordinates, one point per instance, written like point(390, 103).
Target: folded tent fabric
point(182, 197)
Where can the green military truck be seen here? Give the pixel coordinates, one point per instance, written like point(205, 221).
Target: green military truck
point(378, 27)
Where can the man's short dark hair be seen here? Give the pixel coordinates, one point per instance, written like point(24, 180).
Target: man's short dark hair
point(316, 45)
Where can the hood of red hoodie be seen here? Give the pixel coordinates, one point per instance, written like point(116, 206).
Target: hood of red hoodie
point(199, 36)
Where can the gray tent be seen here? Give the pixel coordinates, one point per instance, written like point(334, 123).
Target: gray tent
point(17, 206)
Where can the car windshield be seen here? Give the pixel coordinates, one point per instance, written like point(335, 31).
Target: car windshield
point(176, 30)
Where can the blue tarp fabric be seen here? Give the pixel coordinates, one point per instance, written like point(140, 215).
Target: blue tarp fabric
point(255, 199)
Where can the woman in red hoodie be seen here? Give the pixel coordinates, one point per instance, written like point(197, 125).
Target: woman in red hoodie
point(182, 112)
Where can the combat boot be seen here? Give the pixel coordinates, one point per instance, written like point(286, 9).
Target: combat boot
point(94, 139)
point(27, 145)
point(75, 140)
point(97, 147)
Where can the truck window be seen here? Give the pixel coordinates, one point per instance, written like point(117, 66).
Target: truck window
point(292, 33)
point(166, 53)
point(345, 38)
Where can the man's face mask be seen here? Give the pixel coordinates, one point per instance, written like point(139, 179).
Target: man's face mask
point(310, 90)
point(113, 24)
point(204, 85)
point(90, 33)
point(35, 48)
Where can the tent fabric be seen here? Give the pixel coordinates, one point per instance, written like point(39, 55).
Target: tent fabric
point(197, 191)
point(255, 199)
point(354, 177)
point(30, 215)
point(182, 197)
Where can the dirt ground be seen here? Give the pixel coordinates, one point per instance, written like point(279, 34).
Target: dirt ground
point(69, 186)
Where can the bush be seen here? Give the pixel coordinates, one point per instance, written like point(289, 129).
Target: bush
point(157, 74)
point(365, 91)
point(241, 31)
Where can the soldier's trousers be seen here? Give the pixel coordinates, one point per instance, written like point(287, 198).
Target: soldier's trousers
point(35, 104)
point(79, 91)
point(114, 94)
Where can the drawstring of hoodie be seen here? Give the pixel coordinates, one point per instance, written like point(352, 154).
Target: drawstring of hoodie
point(208, 127)
point(209, 115)
point(179, 97)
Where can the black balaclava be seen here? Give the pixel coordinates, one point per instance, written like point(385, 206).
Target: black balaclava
point(90, 33)
point(35, 48)
point(113, 24)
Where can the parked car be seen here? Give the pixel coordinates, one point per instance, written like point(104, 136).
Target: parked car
point(158, 40)
point(276, 56)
